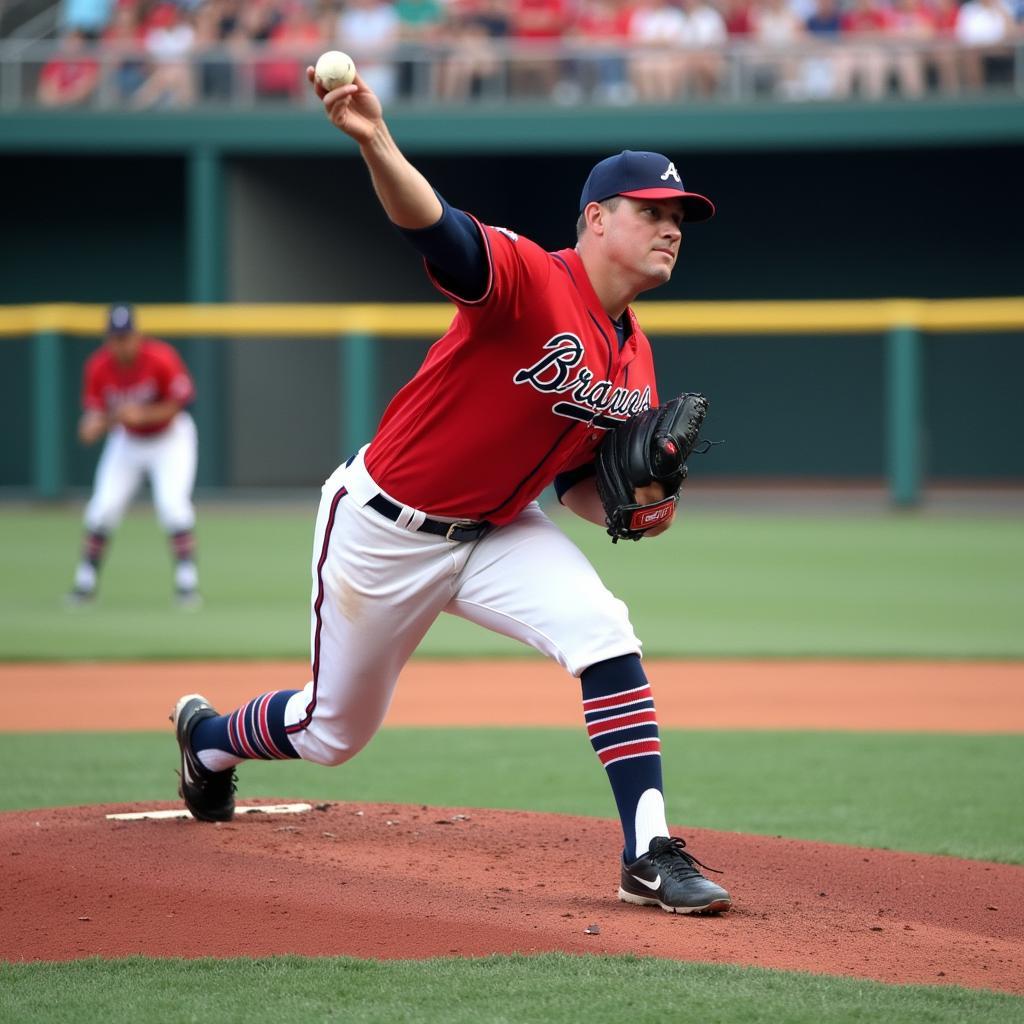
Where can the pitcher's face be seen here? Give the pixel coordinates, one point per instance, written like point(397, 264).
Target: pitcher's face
point(643, 237)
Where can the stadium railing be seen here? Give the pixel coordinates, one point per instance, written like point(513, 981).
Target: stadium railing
point(575, 73)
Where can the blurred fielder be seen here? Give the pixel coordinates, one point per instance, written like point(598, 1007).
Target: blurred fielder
point(136, 391)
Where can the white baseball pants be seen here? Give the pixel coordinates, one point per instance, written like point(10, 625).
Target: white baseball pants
point(168, 459)
point(378, 585)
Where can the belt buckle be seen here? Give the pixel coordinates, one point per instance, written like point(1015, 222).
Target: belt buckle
point(461, 524)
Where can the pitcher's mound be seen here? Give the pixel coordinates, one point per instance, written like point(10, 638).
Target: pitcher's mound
point(378, 880)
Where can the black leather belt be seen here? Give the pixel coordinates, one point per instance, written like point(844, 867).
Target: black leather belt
point(459, 531)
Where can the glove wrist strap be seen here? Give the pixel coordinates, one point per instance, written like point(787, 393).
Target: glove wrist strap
point(658, 513)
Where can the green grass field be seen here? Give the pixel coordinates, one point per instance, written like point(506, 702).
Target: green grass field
point(550, 989)
point(715, 586)
point(718, 586)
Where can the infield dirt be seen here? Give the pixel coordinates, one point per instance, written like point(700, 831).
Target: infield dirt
point(911, 696)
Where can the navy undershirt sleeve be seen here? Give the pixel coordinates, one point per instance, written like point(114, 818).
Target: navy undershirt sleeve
point(568, 480)
point(455, 251)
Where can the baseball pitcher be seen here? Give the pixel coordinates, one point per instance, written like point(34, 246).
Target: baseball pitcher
point(544, 376)
point(135, 392)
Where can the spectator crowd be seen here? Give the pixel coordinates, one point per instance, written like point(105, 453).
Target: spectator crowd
point(162, 53)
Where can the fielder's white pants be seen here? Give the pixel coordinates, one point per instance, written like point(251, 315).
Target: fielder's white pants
point(378, 585)
point(168, 459)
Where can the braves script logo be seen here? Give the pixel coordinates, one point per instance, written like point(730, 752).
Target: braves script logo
point(595, 401)
point(143, 393)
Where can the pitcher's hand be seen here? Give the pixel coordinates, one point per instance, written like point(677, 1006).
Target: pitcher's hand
point(353, 108)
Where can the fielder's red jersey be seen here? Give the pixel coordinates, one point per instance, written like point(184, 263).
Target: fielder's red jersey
point(157, 374)
point(522, 387)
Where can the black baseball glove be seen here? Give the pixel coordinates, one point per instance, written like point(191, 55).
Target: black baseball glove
point(651, 446)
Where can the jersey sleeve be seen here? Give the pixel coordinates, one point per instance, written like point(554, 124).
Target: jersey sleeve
point(517, 269)
point(175, 380)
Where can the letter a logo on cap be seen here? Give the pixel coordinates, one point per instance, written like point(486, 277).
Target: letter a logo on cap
point(671, 173)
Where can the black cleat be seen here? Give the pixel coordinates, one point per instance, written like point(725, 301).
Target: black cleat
point(666, 877)
point(210, 796)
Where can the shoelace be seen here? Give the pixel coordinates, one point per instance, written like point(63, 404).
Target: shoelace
point(676, 862)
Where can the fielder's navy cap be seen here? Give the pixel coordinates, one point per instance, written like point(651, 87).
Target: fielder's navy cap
point(120, 319)
point(643, 176)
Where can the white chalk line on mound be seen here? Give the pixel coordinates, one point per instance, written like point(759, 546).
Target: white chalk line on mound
point(182, 813)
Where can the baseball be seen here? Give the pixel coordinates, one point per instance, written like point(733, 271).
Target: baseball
point(335, 69)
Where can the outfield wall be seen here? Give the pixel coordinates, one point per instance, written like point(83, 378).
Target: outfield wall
point(909, 389)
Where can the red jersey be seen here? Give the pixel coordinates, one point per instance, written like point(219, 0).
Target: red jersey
point(870, 20)
point(521, 387)
point(67, 73)
point(539, 20)
point(602, 22)
point(156, 375)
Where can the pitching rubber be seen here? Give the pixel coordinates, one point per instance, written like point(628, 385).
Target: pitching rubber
point(265, 809)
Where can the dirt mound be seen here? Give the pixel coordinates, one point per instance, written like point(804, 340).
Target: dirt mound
point(377, 880)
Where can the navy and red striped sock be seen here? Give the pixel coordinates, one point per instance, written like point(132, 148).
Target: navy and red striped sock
point(94, 547)
point(623, 728)
point(183, 544)
point(255, 731)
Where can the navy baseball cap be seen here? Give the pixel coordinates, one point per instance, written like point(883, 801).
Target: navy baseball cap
point(120, 319)
point(643, 176)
